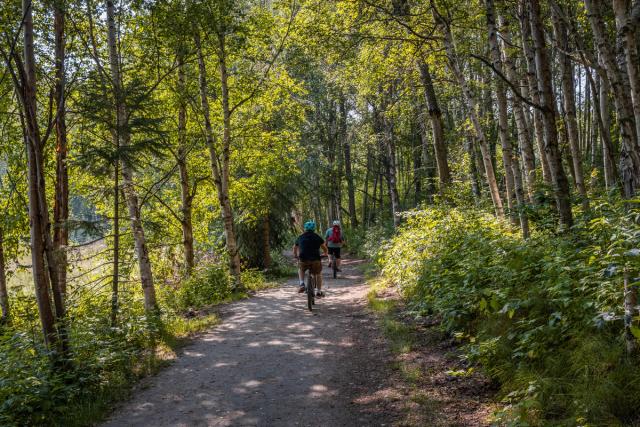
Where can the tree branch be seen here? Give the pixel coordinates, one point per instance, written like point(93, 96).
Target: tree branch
point(253, 93)
point(513, 87)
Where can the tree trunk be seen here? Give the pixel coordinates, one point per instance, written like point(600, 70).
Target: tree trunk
point(503, 120)
point(372, 213)
point(524, 138)
point(627, 34)
point(365, 186)
point(4, 294)
point(353, 214)
point(473, 170)
point(185, 190)
point(266, 243)
point(547, 99)
point(391, 170)
point(472, 107)
point(532, 83)
point(332, 145)
point(418, 156)
point(629, 156)
point(124, 138)
point(429, 163)
point(604, 123)
point(569, 102)
point(630, 305)
point(587, 134)
point(520, 198)
point(225, 202)
point(218, 179)
point(38, 222)
point(437, 128)
point(61, 202)
point(115, 278)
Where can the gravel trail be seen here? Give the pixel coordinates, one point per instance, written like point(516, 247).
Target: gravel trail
point(272, 363)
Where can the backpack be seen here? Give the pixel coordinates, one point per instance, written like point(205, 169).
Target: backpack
point(335, 235)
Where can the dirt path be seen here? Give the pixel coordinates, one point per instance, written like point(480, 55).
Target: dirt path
point(272, 363)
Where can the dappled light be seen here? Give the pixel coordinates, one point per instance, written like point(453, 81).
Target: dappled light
point(269, 363)
point(320, 212)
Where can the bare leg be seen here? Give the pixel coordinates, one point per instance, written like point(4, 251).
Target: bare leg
point(301, 274)
point(319, 282)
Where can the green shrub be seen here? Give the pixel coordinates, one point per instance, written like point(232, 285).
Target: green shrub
point(281, 266)
point(105, 360)
point(206, 286)
point(253, 279)
point(365, 242)
point(32, 392)
point(540, 315)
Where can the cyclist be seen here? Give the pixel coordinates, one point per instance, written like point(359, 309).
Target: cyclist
point(335, 240)
point(307, 251)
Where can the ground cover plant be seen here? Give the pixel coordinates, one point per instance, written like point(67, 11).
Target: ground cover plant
point(543, 316)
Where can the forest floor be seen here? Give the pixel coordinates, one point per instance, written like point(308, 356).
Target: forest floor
point(273, 363)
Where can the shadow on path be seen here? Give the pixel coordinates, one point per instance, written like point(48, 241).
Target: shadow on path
point(273, 363)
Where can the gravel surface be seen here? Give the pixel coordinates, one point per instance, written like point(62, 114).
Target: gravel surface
point(273, 363)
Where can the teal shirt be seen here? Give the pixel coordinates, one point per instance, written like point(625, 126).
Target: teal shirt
point(331, 244)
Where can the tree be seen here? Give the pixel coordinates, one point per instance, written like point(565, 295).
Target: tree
point(547, 100)
point(122, 140)
point(472, 112)
point(569, 101)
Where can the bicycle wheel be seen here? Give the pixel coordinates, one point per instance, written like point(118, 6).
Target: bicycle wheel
point(311, 285)
point(334, 266)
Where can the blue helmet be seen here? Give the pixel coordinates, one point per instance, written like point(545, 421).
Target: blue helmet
point(309, 225)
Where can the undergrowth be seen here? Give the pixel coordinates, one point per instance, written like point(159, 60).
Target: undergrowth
point(543, 316)
point(105, 360)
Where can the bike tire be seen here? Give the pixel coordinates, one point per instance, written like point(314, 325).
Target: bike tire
point(311, 292)
point(334, 266)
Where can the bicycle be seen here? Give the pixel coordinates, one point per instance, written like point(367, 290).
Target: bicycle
point(334, 265)
point(310, 284)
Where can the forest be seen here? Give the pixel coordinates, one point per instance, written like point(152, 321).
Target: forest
point(158, 156)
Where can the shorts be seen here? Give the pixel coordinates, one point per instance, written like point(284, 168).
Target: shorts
point(335, 251)
point(314, 266)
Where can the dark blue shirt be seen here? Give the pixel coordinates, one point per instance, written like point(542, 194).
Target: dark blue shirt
point(309, 246)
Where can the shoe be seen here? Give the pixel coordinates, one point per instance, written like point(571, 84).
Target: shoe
point(319, 294)
point(300, 289)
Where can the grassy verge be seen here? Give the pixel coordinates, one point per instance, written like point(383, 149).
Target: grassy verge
point(420, 407)
point(441, 389)
point(401, 337)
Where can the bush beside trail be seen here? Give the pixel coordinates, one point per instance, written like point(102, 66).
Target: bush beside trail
point(543, 316)
point(106, 360)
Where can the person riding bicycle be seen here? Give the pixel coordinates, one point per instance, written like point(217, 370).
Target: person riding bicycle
point(335, 240)
point(307, 250)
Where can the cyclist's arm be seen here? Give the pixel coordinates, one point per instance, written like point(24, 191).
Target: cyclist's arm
point(325, 250)
point(295, 250)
